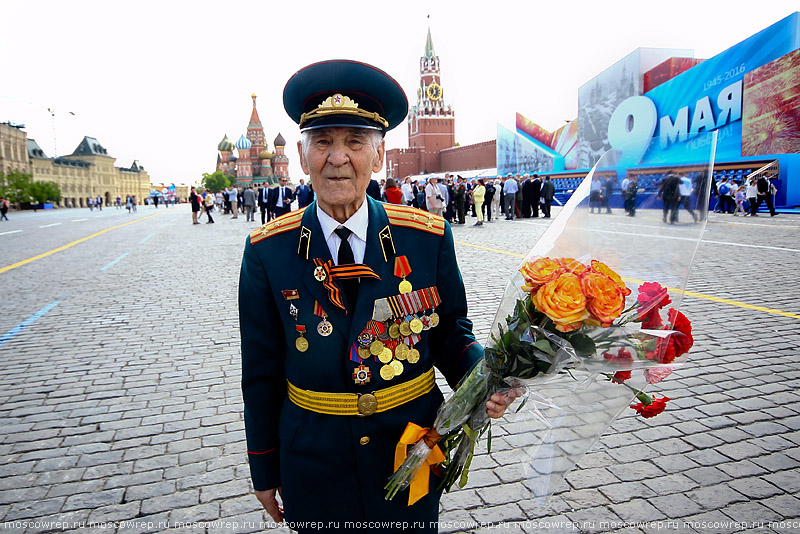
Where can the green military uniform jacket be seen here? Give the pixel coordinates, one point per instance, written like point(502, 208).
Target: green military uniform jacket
point(332, 468)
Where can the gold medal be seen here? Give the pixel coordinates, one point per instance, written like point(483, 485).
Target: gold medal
point(401, 352)
point(434, 319)
point(364, 353)
point(386, 355)
point(325, 328)
point(405, 328)
point(416, 325)
point(387, 372)
point(398, 367)
point(376, 348)
point(394, 331)
point(405, 286)
point(301, 343)
point(413, 356)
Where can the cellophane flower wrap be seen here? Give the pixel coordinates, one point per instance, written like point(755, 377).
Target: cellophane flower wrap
point(588, 321)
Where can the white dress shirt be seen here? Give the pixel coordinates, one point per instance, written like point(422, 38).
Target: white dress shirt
point(357, 224)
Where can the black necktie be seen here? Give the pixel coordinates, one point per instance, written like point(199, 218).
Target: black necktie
point(345, 256)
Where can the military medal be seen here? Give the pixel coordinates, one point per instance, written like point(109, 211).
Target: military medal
point(293, 311)
point(401, 351)
point(324, 328)
point(394, 331)
point(402, 269)
point(301, 343)
point(361, 375)
point(376, 347)
point(434, 319)
point(416, 325)
point(363, 353)
point(387, 372)
point(319, 273)
point(413, 356)
point(405, 328)
point(365, 338)
point(397, 366)
point(385, 355)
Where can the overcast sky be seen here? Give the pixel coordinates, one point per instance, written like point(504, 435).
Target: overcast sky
point(162, 82)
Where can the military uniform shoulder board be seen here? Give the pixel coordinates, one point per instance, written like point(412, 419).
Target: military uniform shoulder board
point(414, 218)
point(284, 223)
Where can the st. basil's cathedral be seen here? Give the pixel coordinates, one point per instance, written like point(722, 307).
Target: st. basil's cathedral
point(254, 164)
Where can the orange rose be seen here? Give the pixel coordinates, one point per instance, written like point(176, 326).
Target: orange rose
point(563, 302)
point(602, 268)
point(539, 272)
point(572, 265)
point(604, 298)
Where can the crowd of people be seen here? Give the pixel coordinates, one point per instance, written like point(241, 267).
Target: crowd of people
point(454, 197)
point(272, 201)
point(514, 196)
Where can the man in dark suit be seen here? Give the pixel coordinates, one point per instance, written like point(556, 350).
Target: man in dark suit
point(548, 193)
point(303, 194)
point(536, 194)
point(263, 203)
point(313, 297)
point(282, 197)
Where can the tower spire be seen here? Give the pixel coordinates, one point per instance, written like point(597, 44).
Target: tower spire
point(254, 120)
point(429, 52)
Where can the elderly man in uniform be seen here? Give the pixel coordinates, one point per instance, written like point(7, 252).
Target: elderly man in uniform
point(345, 308)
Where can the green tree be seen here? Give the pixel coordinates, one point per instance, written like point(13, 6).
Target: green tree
point(215, 182)
point(41, 192)
point(15, 186)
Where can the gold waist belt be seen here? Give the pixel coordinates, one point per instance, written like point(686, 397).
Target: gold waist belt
point(362, 404)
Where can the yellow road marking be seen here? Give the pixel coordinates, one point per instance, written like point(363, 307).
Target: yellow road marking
point(72, 244)
point(674, 290)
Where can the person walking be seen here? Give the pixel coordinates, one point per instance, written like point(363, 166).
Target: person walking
point(461, 199)
point(670, 195)
point(685, 189)
point(478, 194)
point(3, 208)
point(765, 192)
point(752, 195)
point(249, 198)
point(208, 204)
point(233, 198)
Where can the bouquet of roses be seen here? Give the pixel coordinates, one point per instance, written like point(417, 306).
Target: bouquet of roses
point(570, 338)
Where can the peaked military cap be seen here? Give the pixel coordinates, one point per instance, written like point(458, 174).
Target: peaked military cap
point(343, 92)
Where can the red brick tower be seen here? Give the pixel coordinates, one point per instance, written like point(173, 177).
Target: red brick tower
point(431, 122)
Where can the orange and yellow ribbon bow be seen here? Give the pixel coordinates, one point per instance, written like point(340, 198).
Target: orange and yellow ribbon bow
point(421, 481)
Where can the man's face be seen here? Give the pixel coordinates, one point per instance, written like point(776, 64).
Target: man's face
point(340, 162)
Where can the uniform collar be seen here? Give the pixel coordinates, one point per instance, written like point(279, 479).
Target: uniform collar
point(357, 223)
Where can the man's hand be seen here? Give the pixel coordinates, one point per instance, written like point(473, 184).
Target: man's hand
point(270, 503)
point(497, 404)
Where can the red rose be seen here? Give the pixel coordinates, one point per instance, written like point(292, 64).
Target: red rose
point(655, 407)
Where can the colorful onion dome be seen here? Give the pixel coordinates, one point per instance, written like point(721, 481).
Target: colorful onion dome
point(279, 141)
point(225, 145)
point(265, 154)
point(233, 158)
point(243, 143)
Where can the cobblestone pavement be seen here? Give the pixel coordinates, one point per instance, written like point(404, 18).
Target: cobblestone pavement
point(120, 400)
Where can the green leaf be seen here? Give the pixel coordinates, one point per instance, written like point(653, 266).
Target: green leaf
point(544, 346)
point(583, 344)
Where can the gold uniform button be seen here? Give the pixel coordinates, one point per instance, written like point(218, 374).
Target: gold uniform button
point(364, 440)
